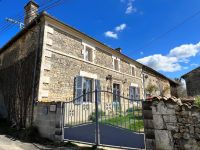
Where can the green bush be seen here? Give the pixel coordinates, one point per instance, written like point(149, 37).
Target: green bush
point(197, 100)
point(92, 117)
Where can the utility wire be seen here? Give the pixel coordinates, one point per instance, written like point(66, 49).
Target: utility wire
point(19, 15)
point(8, 26)
point(170, 30)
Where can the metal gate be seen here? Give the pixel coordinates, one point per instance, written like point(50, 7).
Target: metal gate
point(105, 118)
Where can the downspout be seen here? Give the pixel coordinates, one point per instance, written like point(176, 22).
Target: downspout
point(143, 81)
point(34, 73)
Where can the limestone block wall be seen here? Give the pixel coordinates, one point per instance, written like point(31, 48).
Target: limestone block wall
point(48, 118)
point(63, 60)
point(176, 125)
point(160, 83)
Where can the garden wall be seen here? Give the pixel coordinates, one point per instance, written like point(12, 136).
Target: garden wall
point(171, 124)
point(48, 118)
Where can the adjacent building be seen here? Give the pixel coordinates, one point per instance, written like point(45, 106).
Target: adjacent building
point(192, 80)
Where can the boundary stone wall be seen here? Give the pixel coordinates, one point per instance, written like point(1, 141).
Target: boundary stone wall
point(171, 125)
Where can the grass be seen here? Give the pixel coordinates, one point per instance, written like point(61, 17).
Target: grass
point(131, 121)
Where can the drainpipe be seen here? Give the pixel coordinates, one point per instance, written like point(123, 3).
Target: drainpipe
point(144, 76)
point(34, 73)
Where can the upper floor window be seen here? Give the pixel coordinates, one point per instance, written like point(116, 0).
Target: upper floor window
point(116, 63)
point(88, 55)
point(133, 71)
point(88, 51)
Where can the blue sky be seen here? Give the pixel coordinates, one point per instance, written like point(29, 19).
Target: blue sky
point(133, 25)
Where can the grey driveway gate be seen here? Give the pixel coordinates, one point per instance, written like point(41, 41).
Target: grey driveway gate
point(105, 118)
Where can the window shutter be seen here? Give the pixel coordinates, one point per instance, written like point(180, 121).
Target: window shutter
point(138, 93)
point(131, 93)
point(98, 88)
point(79, 90)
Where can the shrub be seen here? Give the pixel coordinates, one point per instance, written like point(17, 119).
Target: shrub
point(197, 100)
point(92, 117)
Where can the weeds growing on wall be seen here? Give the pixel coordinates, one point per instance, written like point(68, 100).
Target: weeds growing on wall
point(197, 100)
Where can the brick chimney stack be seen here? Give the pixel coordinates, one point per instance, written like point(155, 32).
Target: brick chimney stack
point(31, 11)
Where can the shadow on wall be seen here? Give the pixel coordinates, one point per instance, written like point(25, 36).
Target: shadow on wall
point(3, 110)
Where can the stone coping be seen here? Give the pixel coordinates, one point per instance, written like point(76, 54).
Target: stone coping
point(189, 103)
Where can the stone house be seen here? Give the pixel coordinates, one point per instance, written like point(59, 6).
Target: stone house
point(49, 61)
point(192, 80)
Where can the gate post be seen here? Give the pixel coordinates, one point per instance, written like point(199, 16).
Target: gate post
point(97, 118)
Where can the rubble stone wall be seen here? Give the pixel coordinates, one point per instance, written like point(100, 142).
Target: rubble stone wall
point(175, 126)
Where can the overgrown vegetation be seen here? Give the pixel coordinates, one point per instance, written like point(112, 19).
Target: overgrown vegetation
point(197, 100)
point(92, 117)
point(151, 89)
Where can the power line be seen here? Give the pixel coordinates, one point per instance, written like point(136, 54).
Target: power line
point(21, 17)
point(170, 30)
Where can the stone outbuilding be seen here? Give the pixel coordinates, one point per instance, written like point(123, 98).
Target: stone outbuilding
point(192, 80)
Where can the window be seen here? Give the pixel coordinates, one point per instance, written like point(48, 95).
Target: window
point(116, 64)
point(116, 92)
point(87, 90)
point(132, 71)
point(88, 54)
point(132, 92)
point(84, 89)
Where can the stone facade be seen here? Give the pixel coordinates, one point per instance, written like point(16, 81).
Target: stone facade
point(162, 85)
point(191, 79)
point(17, 69)
point(173, 126)
point(66, 61)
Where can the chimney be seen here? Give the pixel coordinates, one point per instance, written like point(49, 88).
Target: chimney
point(119, 50)
point(31, 11)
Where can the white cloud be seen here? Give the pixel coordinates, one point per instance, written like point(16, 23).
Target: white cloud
point(130, 8)
point(173, 61)
point(120, 27)
point(162, 63)
point(111, 34)
point(185, 51)
point(114, 34)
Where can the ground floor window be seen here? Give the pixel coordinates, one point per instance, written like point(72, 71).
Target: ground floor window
point(87, 90)
point(116, 92)
point(132, 92)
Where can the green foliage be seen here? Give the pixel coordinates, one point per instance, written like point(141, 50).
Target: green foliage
point(92, 117)
point(197, 100)
point(151, 88)
point(165, 90)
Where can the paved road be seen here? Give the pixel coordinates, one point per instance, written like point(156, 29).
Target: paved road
point(11, 144)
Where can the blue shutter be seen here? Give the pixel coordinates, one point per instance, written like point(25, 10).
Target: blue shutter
point(138, 93)
point(79, 90)
point(131, 93)
point(98, 88)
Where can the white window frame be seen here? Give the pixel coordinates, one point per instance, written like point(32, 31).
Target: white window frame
point(85, 46)
point(133, 66)
point(118, 59)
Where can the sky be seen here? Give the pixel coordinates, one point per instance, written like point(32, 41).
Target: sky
point(163, 34)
